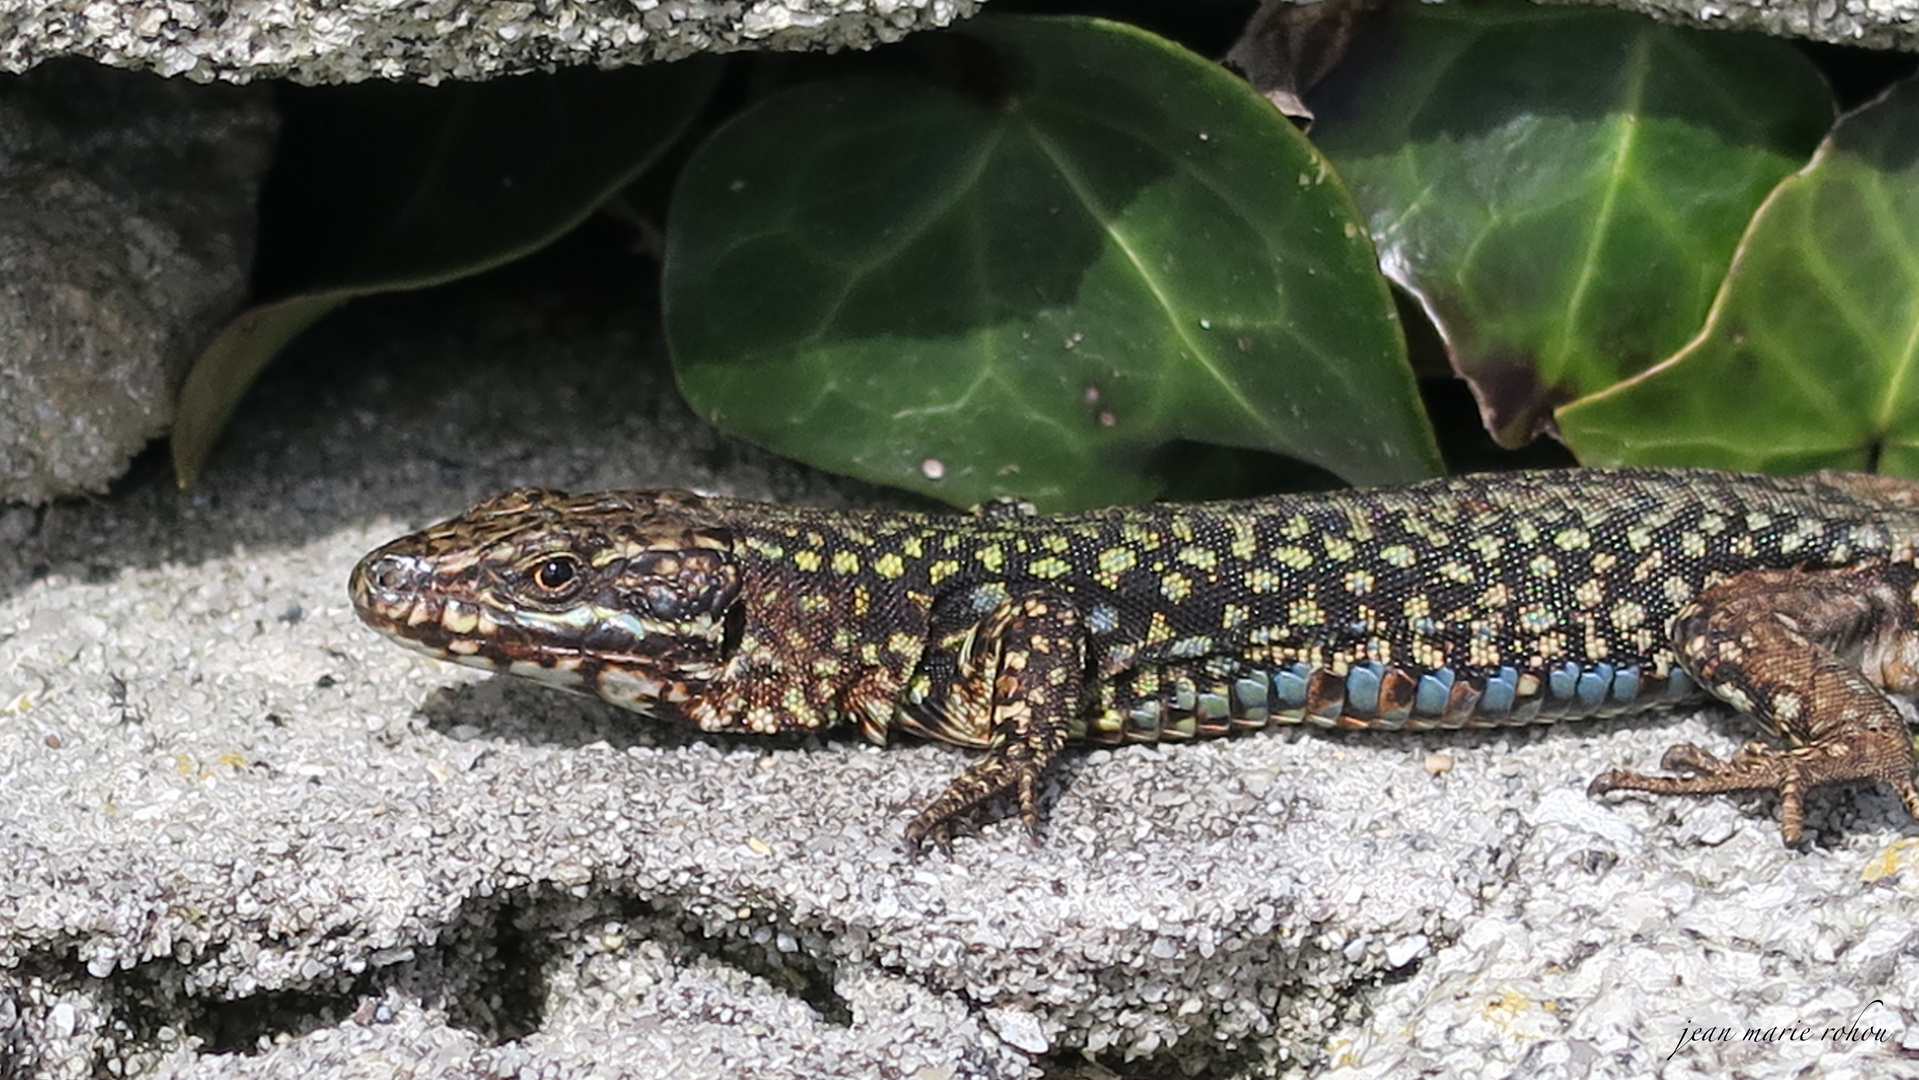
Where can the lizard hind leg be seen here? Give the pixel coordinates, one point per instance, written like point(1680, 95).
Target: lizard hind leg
point(1035, 690)
point(1787, 647)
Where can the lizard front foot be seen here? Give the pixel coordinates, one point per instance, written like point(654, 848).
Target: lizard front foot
point(1011, 768)
point(1034, 682)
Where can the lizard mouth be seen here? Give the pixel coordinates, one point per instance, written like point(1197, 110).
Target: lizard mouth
point(395, 593)
point(583, 647)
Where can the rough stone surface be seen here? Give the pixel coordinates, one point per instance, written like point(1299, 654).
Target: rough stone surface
point(246, 837)
point(430, 40)
point(322, 41)
point(1875, 24)
point(126, 232)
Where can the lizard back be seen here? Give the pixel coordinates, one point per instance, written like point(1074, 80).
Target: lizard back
point(1477, 600)
point(1497, 599)
point(1480, 600)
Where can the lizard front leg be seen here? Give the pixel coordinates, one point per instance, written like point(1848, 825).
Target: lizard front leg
point(1810, 656)
point(1029, 662)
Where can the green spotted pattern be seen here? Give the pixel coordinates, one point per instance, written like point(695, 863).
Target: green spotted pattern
point(1480, 600)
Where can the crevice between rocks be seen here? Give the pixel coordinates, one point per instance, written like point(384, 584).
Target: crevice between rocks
point(489, 971)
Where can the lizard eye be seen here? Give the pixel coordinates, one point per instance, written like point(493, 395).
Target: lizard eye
point(557, 574)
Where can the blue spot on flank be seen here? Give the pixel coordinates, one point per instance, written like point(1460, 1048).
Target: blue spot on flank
point(1212, 706)
point(1501, 690)
point(1103, 619)
point(1679, 684)
point(1562, 683)
point(1144, 719)
point(1250, 695)
point(1434, 691)
point(1593, 686)
point(1289, 687)
point(1184, 697)
point(1625, 685)
point(1362, 690)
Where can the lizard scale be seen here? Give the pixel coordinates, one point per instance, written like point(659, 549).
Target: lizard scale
point(1474, 601)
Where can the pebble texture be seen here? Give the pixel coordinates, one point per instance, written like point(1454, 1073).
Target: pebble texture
point(126, 231)
point(1875, 24)
point(319, 41)
point(248, 838)
point(325, 41)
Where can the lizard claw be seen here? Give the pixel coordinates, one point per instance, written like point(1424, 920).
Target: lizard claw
point(1790, 773)
point(959, 811)
point(925, 832)
point(1687, 758)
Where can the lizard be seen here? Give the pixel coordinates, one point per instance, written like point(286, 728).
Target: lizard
point(1474, 601)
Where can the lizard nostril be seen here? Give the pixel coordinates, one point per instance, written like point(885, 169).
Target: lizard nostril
point(392, 573)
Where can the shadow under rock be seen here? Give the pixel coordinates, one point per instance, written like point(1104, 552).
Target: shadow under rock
point(413, 406)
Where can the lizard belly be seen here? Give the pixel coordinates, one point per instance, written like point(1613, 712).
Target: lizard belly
point(1199, 700)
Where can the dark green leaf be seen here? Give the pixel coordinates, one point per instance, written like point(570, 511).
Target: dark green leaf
point(1035, 287)
point(383, 187)
point(1562, 189)
point(387, 186)
point(1811, 355)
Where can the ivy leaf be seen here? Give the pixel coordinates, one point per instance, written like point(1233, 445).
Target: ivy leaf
point(1810, 358)
point(1562, 189)
point(383, 187)
point(1036, 287)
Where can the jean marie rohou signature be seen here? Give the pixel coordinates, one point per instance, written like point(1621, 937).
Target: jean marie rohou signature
point(1854, 1032)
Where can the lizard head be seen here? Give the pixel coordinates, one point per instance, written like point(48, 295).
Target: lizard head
point(628, 596)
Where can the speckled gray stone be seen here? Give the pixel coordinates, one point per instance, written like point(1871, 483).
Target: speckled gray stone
point(247, 837)
point(126, 235)
point(1877, 24)
point(429, 40)
point(323, 41)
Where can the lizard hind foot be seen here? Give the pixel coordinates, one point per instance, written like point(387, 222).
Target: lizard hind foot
point(1811, 657)
point(1705, 774)
point(1868, 755)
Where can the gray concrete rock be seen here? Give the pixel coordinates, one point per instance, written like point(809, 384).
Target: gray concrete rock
point(126, 233)
point(429, 40)
point(322, 41)
point(1874, 24)
point(247, 837)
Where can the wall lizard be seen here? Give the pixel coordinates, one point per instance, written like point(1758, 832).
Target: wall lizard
point(1475, 601)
